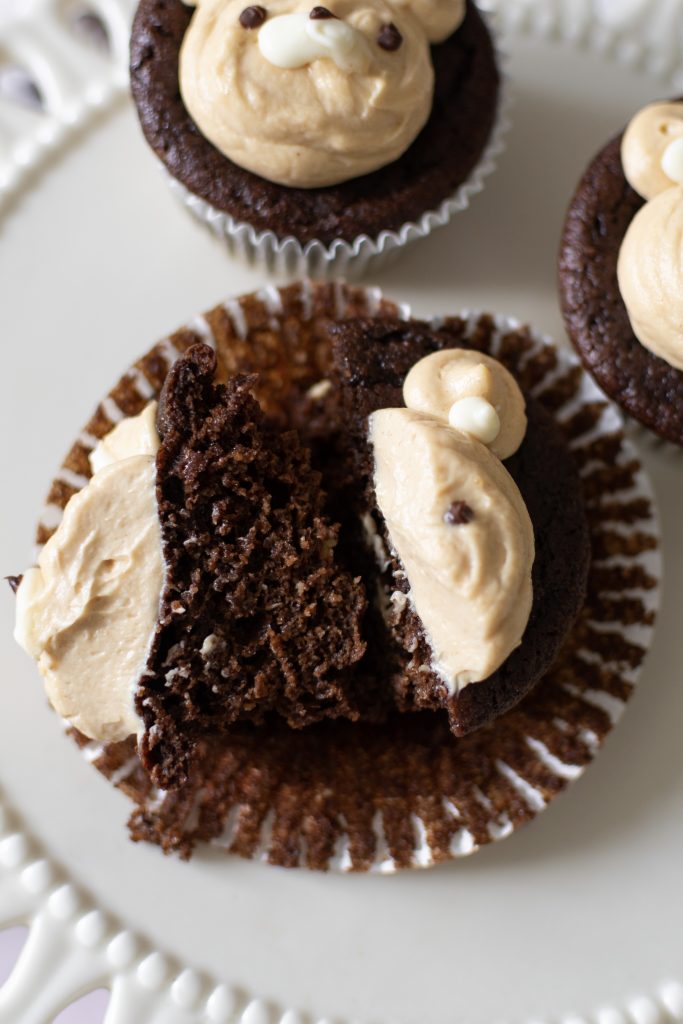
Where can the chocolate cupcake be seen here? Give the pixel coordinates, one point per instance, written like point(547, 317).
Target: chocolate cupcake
point(621, 269)
point(326, 744)
point(318, 139)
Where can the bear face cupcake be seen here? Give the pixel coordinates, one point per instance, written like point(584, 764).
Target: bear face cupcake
point(317, 137)
point(294, 683)
point(621, 271)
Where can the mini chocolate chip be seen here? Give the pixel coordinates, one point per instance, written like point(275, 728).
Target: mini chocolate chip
point(458, 514)
point(253, 17)
point(14, 582)
point(389, 37)
point(321, 12)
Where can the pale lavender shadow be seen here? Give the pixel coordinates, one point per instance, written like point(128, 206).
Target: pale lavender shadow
point(11, 941)
point(90, 1009)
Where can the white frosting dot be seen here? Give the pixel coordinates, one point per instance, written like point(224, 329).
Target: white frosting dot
point(294, 40)
point(672, 161)
point(475, 416)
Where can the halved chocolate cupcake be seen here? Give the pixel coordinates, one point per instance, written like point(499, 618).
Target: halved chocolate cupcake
point(621, 270)
point(350, 792)
point(378, 362)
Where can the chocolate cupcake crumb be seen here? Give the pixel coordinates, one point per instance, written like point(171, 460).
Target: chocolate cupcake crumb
point(256, 615)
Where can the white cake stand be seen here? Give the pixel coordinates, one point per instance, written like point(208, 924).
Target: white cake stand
point(575, 918)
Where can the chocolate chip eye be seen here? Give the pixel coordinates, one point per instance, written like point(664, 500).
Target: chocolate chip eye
point(458, 514)
point(389, 37)
point(319, 13)
point(253, 17)
point(14, 582)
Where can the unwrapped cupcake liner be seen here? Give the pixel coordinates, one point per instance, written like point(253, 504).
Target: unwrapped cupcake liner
point(287, 257)
point(361, 797)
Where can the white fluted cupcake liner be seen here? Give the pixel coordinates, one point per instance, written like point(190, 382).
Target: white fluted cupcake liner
point(287, 257)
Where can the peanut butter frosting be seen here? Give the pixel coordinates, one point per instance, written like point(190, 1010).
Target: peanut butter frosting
point(650, 273)
point(644, 144)
point(304, 99)
point(650, 265)
point(441, 379)
point(454, 514)
point(88, 610)
point(439, 18)
point(134, 435)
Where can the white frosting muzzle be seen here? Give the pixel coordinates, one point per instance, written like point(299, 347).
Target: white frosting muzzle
point(294, 40)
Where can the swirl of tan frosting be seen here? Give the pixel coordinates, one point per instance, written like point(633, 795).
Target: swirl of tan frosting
point(439, 18)
point(650, 273)
point(307, 102)
point(455, 516)
point(87, 611)
point(650, 265)
point(436, 382)
point(644, 145)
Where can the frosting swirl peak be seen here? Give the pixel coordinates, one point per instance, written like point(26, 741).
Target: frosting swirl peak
point(650, 272)
point(644, 145)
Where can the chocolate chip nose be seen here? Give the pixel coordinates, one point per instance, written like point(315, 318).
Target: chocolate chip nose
point(319, 13)
point(459, 513)
point(389, 37)
point(253, 17)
